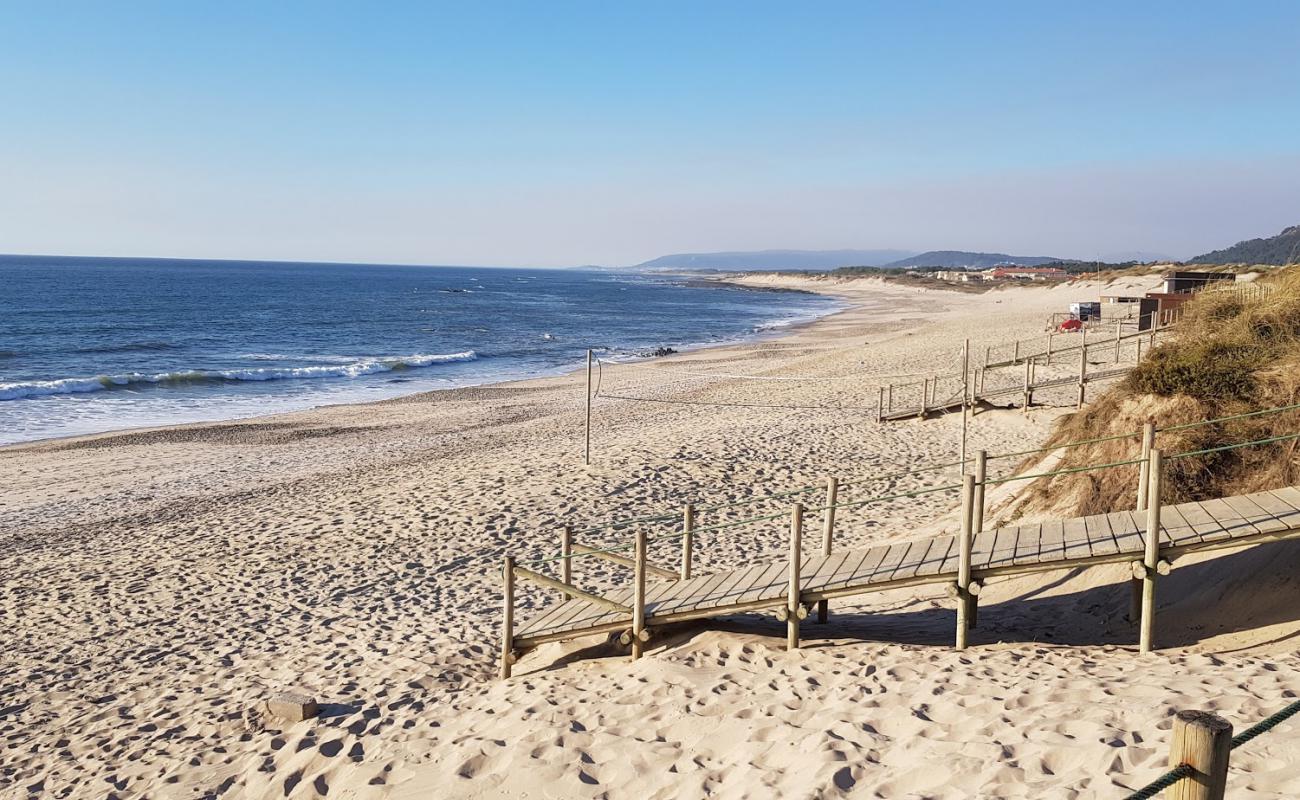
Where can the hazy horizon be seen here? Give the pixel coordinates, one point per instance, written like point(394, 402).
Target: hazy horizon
point(517, 135)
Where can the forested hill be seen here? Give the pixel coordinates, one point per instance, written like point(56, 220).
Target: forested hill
point(962, 258)
point(1281, 249)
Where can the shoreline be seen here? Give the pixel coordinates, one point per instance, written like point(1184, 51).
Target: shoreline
point(766, 332)
point(163, 583)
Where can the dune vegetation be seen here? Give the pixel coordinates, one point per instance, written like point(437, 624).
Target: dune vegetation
point(1230, 356)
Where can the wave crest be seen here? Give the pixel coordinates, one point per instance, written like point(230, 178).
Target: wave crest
point(353, 369)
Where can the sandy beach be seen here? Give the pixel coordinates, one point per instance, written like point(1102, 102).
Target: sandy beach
point(159, 585)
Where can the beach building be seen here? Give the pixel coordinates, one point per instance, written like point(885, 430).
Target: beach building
point(1180, 281)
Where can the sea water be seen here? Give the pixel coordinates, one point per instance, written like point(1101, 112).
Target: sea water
point(91, 345)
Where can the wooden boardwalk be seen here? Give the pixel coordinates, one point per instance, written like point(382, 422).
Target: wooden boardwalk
point(954, 403)
point(1038, 547)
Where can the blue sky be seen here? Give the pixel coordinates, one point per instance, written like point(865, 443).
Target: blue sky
point(567, 133)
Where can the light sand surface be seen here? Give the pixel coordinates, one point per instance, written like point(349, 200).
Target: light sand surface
point(159, 585)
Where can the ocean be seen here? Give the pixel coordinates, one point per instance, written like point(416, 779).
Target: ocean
point(90, 345)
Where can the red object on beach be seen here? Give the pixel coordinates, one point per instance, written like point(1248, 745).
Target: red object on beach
point(1071, 325)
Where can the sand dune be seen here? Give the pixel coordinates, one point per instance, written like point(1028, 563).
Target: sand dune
point(160, 585)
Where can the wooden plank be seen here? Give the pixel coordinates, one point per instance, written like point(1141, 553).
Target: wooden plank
point(1291, 516)
point(1101, 542)
point(1028, 545)
point(828, 567)
point(543, 621)
point(1128, 536)
point(907, 568)
point(1229, 524)
point(893, 562)
point(1289, 495)
point(1205, 525)
point(853, 573)
point(726, 592)
point(995, 536)
point(658, 592)
point(1004, 553)
point(841, 566)
point(1051, 543)
point(1175, 529)
point(774, 575)
point(707, 596)
point(934, 563)
point(1076, 539)
point(1263, 520)
point(981, 548)
point(685, 590)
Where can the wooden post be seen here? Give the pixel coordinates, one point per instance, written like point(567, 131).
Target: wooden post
point(1144, 469)
point(792, 589)
point(566, 553)
point(1016, 352)
point(965, 397)
point(638, 597)
point(963, 564)
point(981, 473)
point(880, 406)
point(1151, 555)
point(828, 533)
point(1028, 393)
point(587, 456)
point(889, 398)
point(1083, 368)
point(507, 616)
point(1202, 741)
point(1118, 333)
point(1049, 349)
point(1144, 485)
point(925, 396)
point(1138, 357)
point(688, 539)
point(987, 350)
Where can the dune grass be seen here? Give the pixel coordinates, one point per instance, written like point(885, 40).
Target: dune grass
point(1230, 356)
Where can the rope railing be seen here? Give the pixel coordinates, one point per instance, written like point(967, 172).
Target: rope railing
point(621, 524)
point(919, 492)
point(1186, 770)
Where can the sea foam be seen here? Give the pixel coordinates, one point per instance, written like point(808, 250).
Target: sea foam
point(352, 369)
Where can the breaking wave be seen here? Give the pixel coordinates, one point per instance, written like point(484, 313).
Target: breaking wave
point(352, 369)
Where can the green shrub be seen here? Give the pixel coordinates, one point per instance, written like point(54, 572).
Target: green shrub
point(1205, 370)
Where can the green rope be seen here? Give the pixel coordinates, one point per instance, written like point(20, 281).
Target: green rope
point(1069, 471)
point(1158, 785)
point(917, 471)
point(621, 524)
point(751, 500)
point(1067, 444)
point(720, 526)
point(1186, 771)
point(1266, 725)
point(1232, 446)
point(1184, 426)
point(884, 497)
point(1277, 410)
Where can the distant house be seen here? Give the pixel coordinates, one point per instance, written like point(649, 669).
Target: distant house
point(958, 275)
point(1025, 274)
point(1189, 281)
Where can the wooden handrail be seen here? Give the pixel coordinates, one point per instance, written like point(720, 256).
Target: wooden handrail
point(659, 572)
point(572, 591)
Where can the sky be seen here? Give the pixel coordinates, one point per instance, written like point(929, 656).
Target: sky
point(564, 133)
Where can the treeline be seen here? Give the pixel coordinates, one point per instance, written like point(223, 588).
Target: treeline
point(1276, 250)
